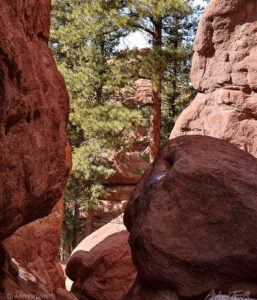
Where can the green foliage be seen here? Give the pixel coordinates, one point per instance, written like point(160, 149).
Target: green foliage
point(143, 155)
point(177, 89)
point(84, 35)
point(110, 124)
point(170, 26)
point(84, 39)
point(137, 171)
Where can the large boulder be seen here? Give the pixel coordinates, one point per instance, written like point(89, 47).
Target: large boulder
point(224, 72)
point(192, 219)
point(101, 265)
point(33, 116)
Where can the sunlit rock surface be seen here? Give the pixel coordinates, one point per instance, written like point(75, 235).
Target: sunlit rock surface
point(224, 72)
point(101, 265)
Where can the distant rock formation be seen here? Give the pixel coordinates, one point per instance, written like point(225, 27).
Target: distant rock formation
point(192, 220)
point(33, 120)
point(129, 166)
point(224, 72)
point(101, 265)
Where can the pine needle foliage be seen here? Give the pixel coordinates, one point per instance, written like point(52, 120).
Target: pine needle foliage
point(170, 26)
point(84, 37)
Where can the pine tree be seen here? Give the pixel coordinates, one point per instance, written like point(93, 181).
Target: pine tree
point(155, 17)
point(178, 45)
point(84, 37)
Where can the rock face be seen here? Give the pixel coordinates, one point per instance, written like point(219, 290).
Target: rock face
point(34, 170)
point(101, 265)
point(192, 218)
point(143, 91)
point(114, 205)
point(20, 282)
point(224, 72)
point(33, 116)
point(125, 165)
point(36, 244)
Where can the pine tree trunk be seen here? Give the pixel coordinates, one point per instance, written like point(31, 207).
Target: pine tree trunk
point(89, 222)
point(76, 228)
point(156, 95)
point(156, 123)
point(174, 81)
point(66, 249)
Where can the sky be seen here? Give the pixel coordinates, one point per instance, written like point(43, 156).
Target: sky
point(139, 40)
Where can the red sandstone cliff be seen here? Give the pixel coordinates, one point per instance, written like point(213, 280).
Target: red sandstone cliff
point(224, 72)
point(33, 120)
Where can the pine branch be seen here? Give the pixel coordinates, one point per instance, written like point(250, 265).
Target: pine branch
point(146, 104)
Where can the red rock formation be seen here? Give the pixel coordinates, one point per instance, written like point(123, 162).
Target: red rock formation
point(126, 165)
point(114, 205)
point(101, 265)
point(33, 116)
point(143, 91)
point(36, 244)
point(224, 72)
point(33, 120)
point(20, 282)
point(193, 227)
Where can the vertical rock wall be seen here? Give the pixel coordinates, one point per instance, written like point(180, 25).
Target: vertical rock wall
point(33, 116)
point(34, 169)
point(224, 73)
